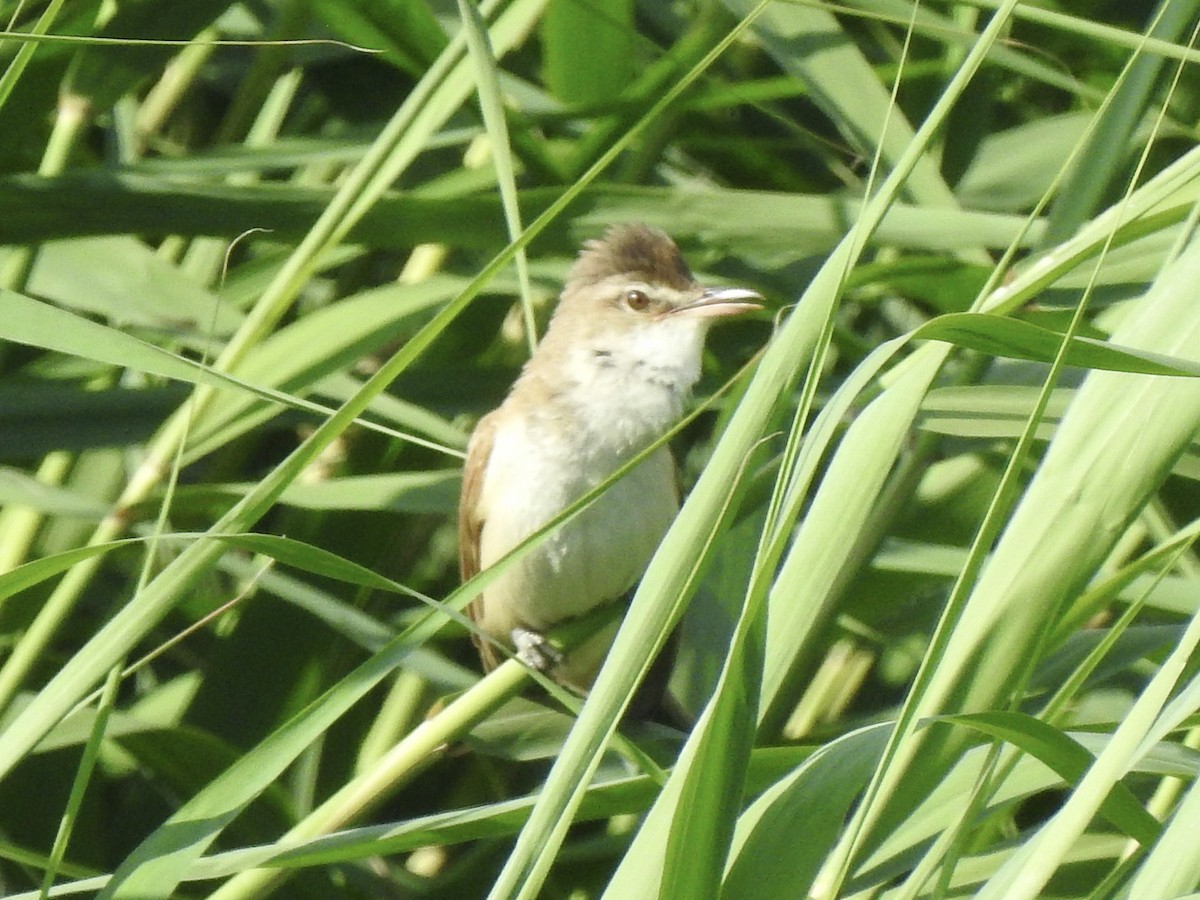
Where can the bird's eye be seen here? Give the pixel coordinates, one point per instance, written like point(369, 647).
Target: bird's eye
point(636, 300)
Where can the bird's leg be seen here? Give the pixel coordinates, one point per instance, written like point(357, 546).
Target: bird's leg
point(534, 650)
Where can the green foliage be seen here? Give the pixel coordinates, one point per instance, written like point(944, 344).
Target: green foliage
point(263, 266)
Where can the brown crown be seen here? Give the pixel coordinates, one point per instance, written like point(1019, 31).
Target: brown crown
point(637, 251)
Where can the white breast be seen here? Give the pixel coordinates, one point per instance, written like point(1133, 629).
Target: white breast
point(593, 559)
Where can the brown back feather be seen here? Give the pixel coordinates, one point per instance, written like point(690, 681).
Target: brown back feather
point(470, 525)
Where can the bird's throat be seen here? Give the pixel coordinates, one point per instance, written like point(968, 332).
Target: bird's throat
point(625, 392)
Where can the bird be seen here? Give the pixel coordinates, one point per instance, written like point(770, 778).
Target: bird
point(611, 376)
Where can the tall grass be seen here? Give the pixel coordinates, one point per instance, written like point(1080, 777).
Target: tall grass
point(262, 266)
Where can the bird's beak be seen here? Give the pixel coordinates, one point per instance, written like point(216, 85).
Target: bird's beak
point(722, 302)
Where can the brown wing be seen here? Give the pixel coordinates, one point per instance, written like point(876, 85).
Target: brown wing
point(470, 524)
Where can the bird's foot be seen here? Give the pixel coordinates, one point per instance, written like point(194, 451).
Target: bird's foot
point(534, 650)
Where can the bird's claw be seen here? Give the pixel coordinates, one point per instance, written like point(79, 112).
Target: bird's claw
point(535, 650)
